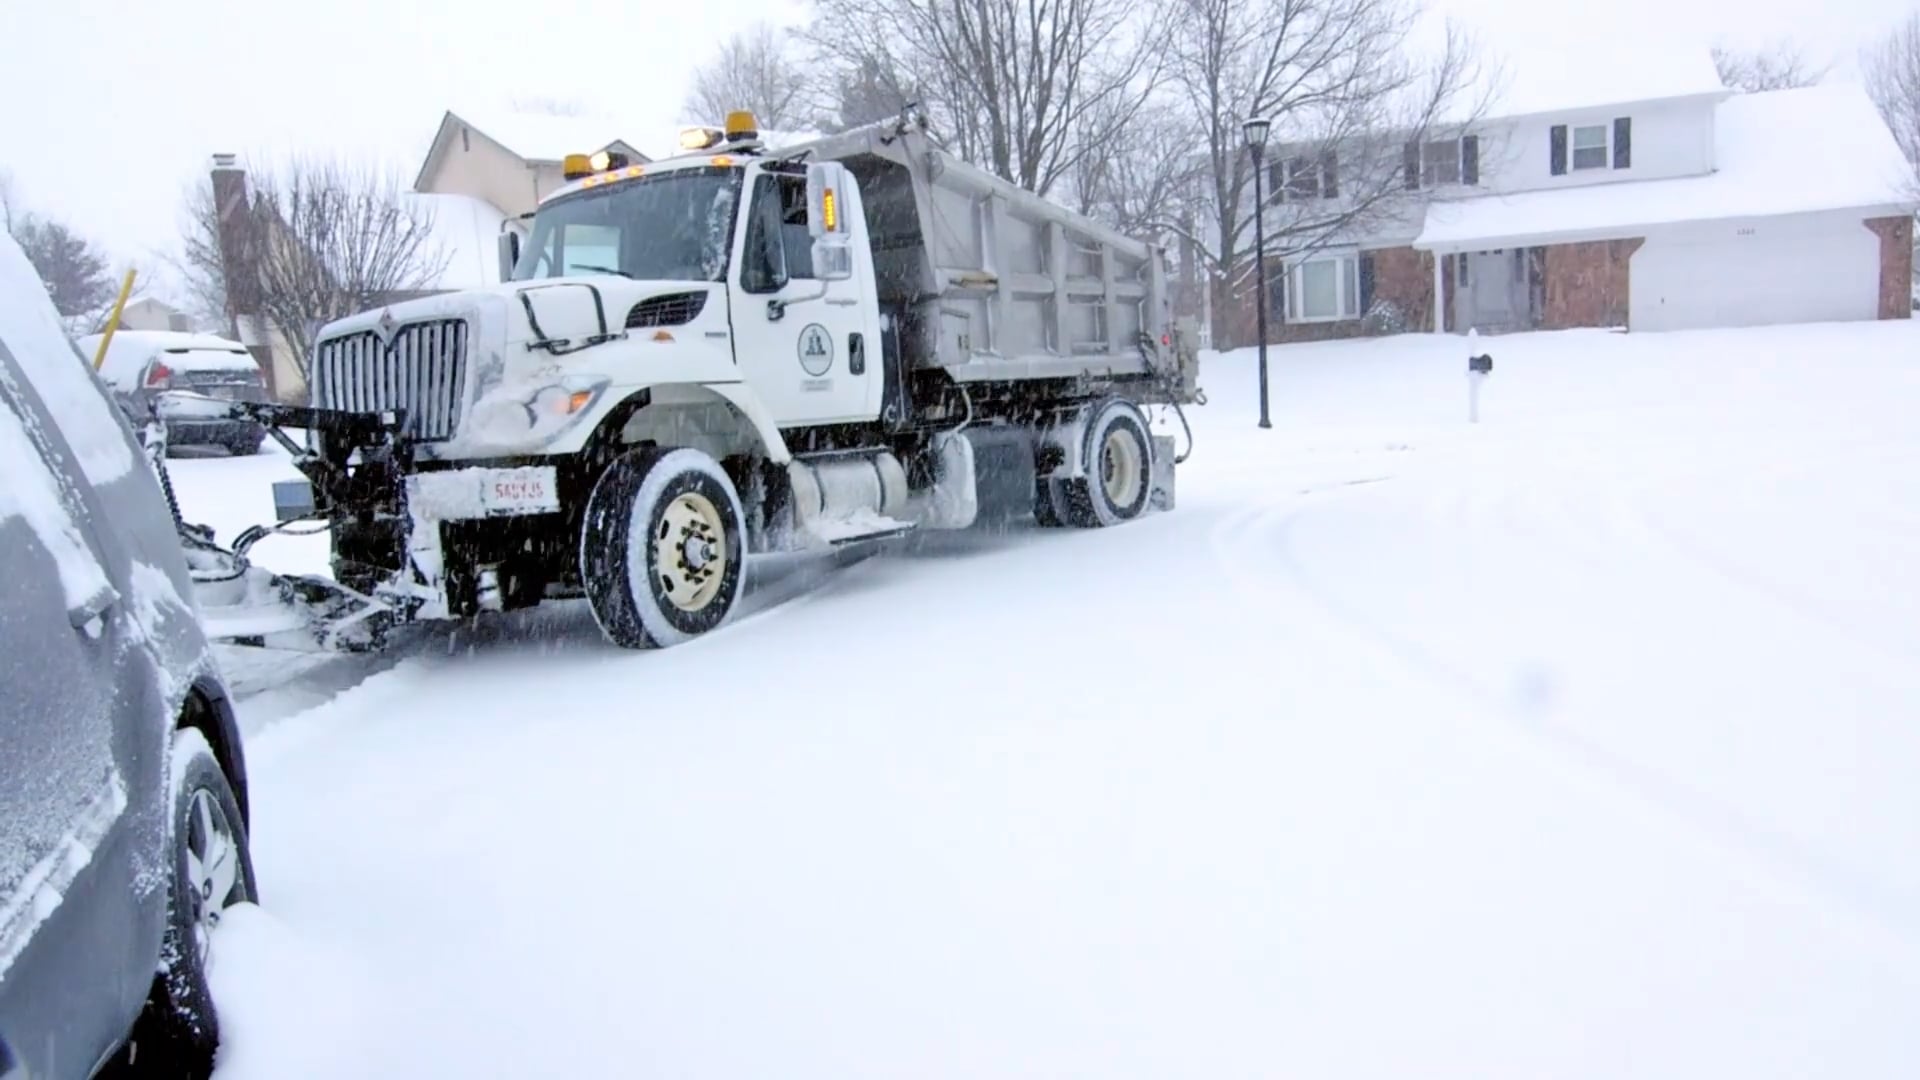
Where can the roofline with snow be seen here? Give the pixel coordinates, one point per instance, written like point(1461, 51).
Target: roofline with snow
point(1714, 96)
point(1393, 133)
point(443, 135)
point(1631, 230)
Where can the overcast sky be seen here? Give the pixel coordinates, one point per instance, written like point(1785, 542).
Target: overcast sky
point(108, 110)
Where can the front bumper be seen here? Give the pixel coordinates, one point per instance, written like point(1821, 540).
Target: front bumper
point(212, 432)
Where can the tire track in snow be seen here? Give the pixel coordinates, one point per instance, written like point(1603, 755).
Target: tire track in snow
point(1270, 528)
point(1660, 528)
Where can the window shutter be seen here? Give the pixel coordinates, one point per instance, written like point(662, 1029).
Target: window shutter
point(1330, 175)
point(1557, 150)
point(1623, 142)
point(1410, 161)
point(1470, 160)
point(1366, 282)
point(1277, 181)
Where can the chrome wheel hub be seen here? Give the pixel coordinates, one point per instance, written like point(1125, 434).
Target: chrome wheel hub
point(213, 867)
point(690, 552)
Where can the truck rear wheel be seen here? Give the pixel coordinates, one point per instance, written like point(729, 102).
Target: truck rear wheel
point(663, 548)
point(1118, 461)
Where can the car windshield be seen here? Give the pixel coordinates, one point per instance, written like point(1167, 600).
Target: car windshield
point(672, 227)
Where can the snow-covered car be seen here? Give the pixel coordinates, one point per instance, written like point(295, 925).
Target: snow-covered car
point(123, 799)
point(140, 365)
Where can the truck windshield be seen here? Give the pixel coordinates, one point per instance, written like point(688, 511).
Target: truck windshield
point(674, 226)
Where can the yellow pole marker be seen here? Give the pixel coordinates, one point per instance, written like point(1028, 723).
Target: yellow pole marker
point(113, 321)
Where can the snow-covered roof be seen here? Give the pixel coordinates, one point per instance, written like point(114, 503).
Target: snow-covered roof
point(465, 232)
point(536, 135)
point(543, 136)
point(172, 339)
point(1587, 72)
point(130, 350)
point(1782, 152)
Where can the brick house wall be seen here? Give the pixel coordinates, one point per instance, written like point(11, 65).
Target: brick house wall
point(1401, 275)
point(1896, 265)
point(1405, 277)
point(1586, 284)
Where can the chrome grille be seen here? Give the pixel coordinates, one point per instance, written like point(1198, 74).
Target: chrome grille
point(423, 372)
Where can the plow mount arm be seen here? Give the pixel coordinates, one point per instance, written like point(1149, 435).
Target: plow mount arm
point(353, 464)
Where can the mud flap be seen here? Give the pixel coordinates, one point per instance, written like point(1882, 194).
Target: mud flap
point(1160, 497)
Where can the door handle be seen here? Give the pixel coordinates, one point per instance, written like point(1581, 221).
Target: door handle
point(93, 607)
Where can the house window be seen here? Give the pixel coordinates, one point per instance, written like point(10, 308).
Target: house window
point(1303, 179)
point(1440, 163)
point(1324, 289)
point(1590, 147)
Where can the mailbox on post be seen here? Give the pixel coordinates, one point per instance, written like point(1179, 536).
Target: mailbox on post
point(1479, 366)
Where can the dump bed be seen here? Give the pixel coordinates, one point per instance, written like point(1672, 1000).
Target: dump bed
point(993, 283)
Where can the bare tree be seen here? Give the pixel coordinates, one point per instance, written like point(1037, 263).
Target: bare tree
point(1349, 105)
point(753, 70)
point(319, 240)
point(1137, 175)
point(199, 265)
point(1892, 70)
point(870, 89)
point(1779, 67)
point(1011, 84)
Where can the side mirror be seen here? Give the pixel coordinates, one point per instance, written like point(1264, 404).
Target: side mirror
point(828, 185)
point(509, 253)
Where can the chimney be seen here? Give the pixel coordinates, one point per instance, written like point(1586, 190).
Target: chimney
point(235, 229)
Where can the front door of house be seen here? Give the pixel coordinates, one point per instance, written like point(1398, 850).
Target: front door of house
point(1491, 283)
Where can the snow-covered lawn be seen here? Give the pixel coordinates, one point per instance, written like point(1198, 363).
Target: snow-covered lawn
point(1584, 742)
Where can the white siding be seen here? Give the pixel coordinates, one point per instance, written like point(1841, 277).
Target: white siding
point(1808, 268)
point(1670, 139)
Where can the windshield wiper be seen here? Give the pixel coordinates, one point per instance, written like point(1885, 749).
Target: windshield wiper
point(602, 270)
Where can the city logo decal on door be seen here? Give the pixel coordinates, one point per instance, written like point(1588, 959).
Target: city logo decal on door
point(816, 350)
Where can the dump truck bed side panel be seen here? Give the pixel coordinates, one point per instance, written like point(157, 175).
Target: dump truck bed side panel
point(995, 283)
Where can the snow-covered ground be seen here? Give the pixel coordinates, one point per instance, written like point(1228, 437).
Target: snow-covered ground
point(1581, 743)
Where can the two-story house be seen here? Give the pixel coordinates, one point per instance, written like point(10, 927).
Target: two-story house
point(1661, 202)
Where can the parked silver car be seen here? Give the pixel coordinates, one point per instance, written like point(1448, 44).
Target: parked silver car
point(142, 364)
point(123, 798)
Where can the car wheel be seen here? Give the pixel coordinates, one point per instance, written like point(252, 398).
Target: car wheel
point(663, 547)
point(179, 1031)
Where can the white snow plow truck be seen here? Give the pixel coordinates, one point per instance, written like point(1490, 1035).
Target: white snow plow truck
point(734, 351)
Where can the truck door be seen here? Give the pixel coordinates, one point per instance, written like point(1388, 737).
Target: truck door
point(810, 348)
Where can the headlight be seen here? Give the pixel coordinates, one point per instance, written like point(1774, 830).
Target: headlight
point(524, 416)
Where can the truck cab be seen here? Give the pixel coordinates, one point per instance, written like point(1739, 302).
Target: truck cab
point(840, 341)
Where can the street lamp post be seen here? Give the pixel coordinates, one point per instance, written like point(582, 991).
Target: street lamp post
point(1256, 131)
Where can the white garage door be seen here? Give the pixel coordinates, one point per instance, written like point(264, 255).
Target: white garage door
point(1800, 270)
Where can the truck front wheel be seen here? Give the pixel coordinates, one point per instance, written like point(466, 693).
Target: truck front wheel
point(663, 548)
